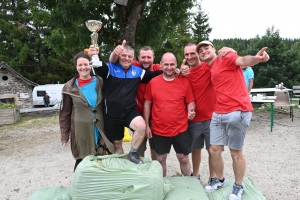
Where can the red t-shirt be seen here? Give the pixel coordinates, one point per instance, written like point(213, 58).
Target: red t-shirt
point(204, 93)
point(142, 88)
point(229, 84)
point(82, 82)
point(169, 115)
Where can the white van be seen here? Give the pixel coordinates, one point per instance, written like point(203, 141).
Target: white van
point(53, 90)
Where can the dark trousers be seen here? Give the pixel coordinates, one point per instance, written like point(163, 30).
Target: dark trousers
point(76, 163)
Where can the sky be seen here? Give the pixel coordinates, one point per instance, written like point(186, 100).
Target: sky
point(247, 18)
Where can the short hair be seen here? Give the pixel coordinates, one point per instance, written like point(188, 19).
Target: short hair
point(81, 55)
point(146, 48)
point(190, 44)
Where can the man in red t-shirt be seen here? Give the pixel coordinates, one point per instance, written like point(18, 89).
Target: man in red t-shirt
point(232, 114)
point(205, 98)
point(146, 59)
point(172, 102)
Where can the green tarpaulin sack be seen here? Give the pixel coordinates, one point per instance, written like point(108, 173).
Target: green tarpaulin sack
point(115, 177)
point(55, 193)
point(250, 191)
point(185, 188)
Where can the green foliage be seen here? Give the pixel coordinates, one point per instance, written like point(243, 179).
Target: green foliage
point(200, 28)
point(7, 105)
point(40, 37)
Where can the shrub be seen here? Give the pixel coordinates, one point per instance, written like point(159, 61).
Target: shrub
point(7, 105)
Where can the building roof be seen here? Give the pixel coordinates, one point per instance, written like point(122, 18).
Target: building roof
point(3, 65)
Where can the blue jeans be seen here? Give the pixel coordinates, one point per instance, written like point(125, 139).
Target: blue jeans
point(47, 105)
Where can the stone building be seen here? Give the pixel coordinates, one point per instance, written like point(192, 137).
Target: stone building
point(14, 88)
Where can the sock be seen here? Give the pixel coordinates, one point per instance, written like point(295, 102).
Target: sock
point(239, 185)
point(133, 149)
point(222, 180)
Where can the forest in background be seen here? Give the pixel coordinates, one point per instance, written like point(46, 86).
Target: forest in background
point(40, 37)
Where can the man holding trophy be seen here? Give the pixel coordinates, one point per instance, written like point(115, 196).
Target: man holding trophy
point(121, 81)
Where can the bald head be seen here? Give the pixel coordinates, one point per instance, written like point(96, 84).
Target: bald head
point(168, 56)
point(168, 64)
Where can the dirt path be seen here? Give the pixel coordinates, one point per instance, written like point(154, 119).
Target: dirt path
point(32, 157)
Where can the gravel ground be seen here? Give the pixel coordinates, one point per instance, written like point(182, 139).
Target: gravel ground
point(32, 157)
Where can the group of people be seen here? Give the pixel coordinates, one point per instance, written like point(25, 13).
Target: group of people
point(206, 102)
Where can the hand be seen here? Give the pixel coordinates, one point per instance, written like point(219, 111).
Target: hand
point(177, 72)
point(93, 50)
point(191, 114)
point(224, 50)
point(263, 55)
point(184, 69)
point(148, 132)
point(66, 143)
point(119, 49)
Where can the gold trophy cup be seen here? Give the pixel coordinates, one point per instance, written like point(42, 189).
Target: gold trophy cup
point(94, 26)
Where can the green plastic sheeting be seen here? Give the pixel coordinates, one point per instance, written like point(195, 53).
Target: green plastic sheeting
point(56, 193)
point(250, 191)
point(115, 177)
point(185, 188)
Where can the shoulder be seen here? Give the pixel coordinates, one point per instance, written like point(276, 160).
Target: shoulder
point(136, 63)
point(156, 67)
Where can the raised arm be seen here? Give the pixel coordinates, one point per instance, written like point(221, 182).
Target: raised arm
point(261, 56)
point(114, 56)
point(148, 75)
point(224, 50)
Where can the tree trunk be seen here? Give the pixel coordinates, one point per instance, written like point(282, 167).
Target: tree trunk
point(129, 18)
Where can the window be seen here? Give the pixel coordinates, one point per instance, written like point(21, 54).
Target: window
point(40, 93)
point(8, 100)
point(4, 78)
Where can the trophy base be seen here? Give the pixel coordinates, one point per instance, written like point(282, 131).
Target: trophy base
point(96, 63)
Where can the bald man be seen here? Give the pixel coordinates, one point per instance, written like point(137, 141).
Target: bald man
point(170, 101)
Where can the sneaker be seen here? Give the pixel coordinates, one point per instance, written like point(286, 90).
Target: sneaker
point(134, 157)
point(214, 185)
point(237, 191)
point(198, 177)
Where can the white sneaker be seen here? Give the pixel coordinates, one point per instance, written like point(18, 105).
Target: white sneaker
point(214, 185)
point(236, 193)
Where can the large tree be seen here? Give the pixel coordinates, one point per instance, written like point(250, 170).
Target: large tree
point(201, 28)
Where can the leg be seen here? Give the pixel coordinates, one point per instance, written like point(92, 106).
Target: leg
point(199, 132)
point(152, 150)
point(138, 124)
point(142, 147)
point(76, 163)
point(217, 160)
point(212, 172)
point(182, 146)
point(162, 159)
point(118, 146)
point(196, 160)
point(153, 154)
point(239, 165)
point(184, 162)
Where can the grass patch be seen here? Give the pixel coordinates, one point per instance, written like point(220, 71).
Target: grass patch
point(31, 122)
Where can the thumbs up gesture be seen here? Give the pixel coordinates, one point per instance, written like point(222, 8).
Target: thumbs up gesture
point(184, 69)
point(119, 49)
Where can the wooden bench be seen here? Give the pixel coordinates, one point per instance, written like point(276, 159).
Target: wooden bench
point(296, 92)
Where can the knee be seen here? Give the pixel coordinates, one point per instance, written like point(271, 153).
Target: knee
point(161, 158)
point(183, 159)
point(140, 127)
point(117, 144)
point(236, 154)
point(215, 150)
